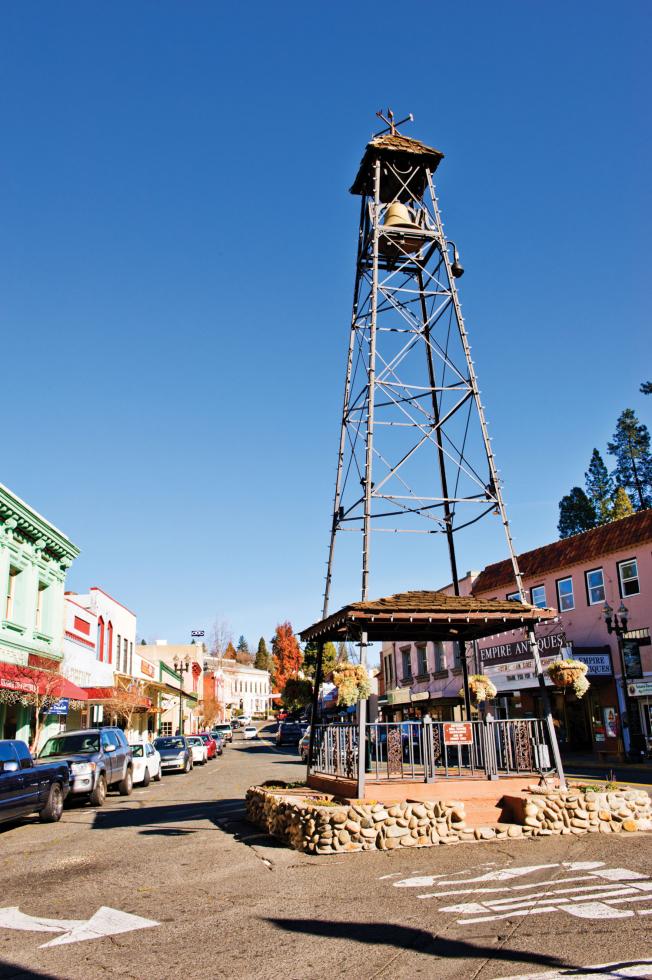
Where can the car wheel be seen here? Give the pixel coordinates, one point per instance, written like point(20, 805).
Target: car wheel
point(146, 777)
point(53, 809)
point(188, 766)
point(98, 795)
point(127, 784)
point(159, 774)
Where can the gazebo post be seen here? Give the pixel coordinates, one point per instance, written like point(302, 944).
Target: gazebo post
point(465, 679)
point(362, 726)
point(552, 734)
point(315, 703)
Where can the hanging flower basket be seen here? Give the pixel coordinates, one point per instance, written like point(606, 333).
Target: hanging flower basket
point(480, 688)
point(352, 682)
point(569, 673)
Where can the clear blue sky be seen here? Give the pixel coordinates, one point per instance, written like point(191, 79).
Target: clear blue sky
point(176, 267)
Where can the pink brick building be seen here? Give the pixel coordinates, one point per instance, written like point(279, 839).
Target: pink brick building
point(575, 576)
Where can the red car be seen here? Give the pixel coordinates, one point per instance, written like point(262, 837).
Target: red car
point(210, 743)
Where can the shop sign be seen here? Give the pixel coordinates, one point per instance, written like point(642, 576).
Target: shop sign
point(59, 707)
point(640, 689)
point(632, 658)
point(502, 653)
point(147, 668)
point(458, 733)
point(599, 664)
point(398, 697)
point(421, 696)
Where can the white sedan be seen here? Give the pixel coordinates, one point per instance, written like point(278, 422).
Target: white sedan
point(250, 731)
point(147, 764)
point(199, 750)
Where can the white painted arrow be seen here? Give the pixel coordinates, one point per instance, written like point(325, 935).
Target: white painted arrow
point(105, 922)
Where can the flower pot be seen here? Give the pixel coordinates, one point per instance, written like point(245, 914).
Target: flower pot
point(565, 676)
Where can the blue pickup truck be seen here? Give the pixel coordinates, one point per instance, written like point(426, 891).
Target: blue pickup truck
point(26, 788)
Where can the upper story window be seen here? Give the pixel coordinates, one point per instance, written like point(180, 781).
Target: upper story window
point(565, 594)
point(41, 607)
point(125, 655)
point(117, 653)
point(422, 659)
point(457, 653)
point(440, 658)
point(538, 595)
point(12, 585)
point(628, 577)
point(595, 586)
point(407, 663)
point(513, 596)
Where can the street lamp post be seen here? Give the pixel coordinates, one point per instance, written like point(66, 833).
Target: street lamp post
point(616, 622)
point(181, 666)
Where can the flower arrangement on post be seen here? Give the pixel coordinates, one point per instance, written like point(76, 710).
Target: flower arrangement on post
point(569, 673)
point(480, 688)
point(352, 682)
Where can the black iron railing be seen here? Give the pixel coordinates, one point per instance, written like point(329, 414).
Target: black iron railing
point(430, 750)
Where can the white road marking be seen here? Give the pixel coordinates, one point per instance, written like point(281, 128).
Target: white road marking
point(105, 922)
point(604, 971)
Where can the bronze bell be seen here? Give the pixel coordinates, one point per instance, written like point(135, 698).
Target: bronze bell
point(398, 218)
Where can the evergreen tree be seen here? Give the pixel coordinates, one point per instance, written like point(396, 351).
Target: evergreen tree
point(243, 646)
point(262, 661)
point(310, 658)
point(622, 505)
point(631, 447)
point(599, 488)
point(576, 513)
point(646, 388)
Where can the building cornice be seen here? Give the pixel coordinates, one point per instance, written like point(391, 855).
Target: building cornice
point(18, 517)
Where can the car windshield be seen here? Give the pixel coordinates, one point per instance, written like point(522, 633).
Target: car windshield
point(170, 743)
point(80, 743)
point(137, 751)
point(195, 740)
point(205, 738)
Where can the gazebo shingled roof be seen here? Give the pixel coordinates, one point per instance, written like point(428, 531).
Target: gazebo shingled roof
point(426, 616)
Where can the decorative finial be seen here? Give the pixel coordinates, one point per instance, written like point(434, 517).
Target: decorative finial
point(392, 127)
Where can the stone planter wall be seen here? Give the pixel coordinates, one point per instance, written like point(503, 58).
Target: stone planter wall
point(323, 827)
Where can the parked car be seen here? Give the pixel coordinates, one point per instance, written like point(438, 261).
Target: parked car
point(249, 731)
point(198, 749)
point(147, 764)
point(210, 743)
point(235, 724)
point(289, 733)
point(27, 788)
point(244, 720)
point(304, 742)
point(224, 730)
point(98, 759)
point(220, 742)
point(175, 753)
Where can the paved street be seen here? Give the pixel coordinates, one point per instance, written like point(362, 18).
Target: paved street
point(228, 902)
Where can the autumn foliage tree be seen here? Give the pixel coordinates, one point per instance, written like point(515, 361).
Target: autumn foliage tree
point(286, 655)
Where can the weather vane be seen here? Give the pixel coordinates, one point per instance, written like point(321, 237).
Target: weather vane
point(389, 122)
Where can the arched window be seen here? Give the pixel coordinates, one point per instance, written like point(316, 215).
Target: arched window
point(100, 639)
point(109, 642)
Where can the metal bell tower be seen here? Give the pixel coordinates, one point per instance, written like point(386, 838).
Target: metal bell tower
point(414, 455)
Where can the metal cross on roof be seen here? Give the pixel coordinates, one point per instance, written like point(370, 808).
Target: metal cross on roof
point(391, 126)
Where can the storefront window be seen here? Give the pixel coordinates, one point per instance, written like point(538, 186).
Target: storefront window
point(595, 586)
point(628, 575)
point(565, 595)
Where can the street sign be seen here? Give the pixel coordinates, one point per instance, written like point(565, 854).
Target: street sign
point(198, 633)
point(458, 733)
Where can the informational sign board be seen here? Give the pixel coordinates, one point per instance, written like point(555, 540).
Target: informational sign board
point(197, 632)
point(458, 733)
point(640, 689)
point(59, 707)
point(512, 652)
point(599, 664)
point(610, 722)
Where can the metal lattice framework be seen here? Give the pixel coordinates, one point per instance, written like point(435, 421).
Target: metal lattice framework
point(415, 455)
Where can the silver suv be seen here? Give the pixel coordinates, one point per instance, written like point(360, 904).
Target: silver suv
point(97, 758)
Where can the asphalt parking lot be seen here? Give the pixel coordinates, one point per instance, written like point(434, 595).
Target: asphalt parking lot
point(213, 897)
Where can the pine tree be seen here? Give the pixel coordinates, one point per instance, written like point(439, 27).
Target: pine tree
point(243, 646)
point(599, 488)
point(631, 447)
point(262, 661)
point(286, 655)
point(646, 388)
point(310, 658)
point(576, 513)
point(622, 505)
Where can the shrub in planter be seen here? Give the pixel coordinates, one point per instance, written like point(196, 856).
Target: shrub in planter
point(480, 688)
point(569, 673)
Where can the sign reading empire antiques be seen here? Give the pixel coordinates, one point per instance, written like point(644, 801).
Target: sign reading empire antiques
point(504, 653)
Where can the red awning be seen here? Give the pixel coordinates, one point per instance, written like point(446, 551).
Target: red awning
point(15, 677)
point(117, 693)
